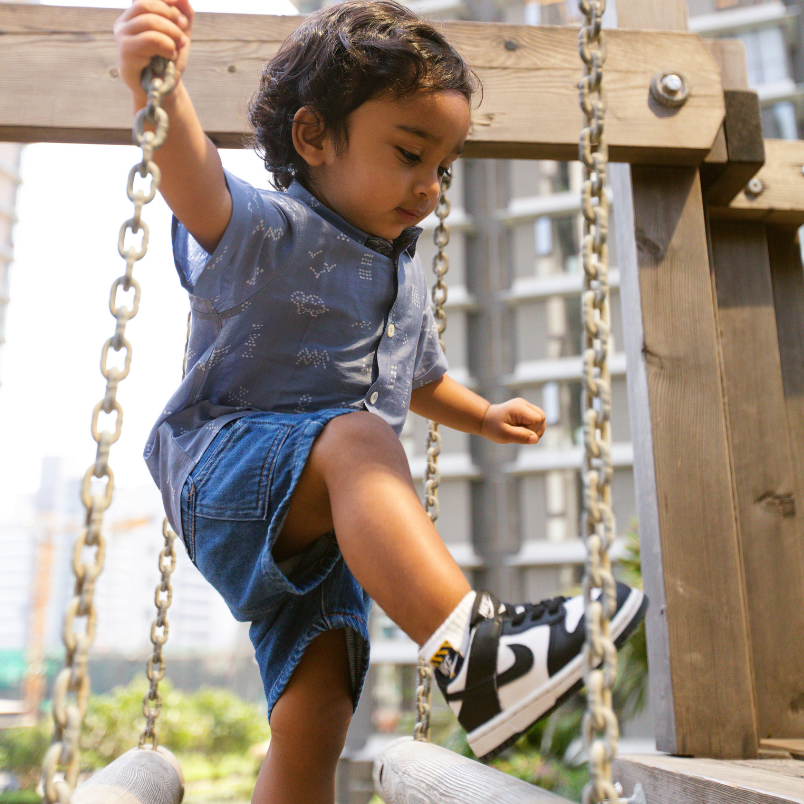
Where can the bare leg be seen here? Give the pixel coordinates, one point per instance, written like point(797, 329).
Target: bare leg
point(357, 481)
point(308, 727)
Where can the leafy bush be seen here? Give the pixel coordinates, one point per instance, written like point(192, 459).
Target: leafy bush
point(213, 722)
point(22, 751)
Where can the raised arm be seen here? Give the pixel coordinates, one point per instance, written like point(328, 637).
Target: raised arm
point(193, 184)
point(450, 403)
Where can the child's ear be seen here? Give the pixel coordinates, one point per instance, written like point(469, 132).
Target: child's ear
point(310, 137)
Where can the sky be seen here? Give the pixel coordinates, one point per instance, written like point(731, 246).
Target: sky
point(70, 207)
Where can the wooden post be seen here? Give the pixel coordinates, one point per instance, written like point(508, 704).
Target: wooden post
point(698, 638)
point(769, 525)
point(411, 772)
point(787, 277)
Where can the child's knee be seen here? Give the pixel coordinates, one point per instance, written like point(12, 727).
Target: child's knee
point(359, 429)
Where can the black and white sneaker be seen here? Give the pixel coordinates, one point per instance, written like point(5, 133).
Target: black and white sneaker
point(522, 662)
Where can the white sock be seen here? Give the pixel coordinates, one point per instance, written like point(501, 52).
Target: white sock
point(451, 637)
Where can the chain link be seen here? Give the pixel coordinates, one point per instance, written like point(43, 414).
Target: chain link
point(432, 476)
point(600, 728)
point(152, 700)
point(72, 686)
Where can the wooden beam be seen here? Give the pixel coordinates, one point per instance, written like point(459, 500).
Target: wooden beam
point(745, 152)
point(706, 781)
point(770, 526)
point(781, 196)
point(530, 74)
point(698, 639)
point(787, 276)
point(415, 772)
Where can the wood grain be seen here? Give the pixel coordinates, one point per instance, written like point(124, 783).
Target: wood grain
point(706, 781)
point(140, 776)
point(782, 198)
point(768, 522)
point(409, 772)
point(787, 276)
point(699, 648)
point(530, 75)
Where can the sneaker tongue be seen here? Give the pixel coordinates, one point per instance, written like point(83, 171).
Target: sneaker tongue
point(486, 607)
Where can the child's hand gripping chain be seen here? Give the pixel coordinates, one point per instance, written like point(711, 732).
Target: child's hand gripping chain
point(278, 457)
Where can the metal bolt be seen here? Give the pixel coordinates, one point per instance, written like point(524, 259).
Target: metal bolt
point(802, 170)
point(670, 89)
point(754, 187)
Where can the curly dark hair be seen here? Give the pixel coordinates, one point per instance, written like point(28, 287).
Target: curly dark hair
point(339, 58)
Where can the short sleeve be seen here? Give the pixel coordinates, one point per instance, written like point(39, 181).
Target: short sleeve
point(431, 362)
point(259, 242)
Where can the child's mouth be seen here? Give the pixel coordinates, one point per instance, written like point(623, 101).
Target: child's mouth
point(409, 215)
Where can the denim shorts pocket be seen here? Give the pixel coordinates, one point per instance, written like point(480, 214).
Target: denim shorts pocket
point(188, 518)
point(234, 481)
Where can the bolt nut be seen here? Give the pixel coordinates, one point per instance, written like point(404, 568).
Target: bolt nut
point(671, 89)
point(754, 187)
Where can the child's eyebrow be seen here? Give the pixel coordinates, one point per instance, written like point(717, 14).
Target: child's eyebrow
point(425, 135)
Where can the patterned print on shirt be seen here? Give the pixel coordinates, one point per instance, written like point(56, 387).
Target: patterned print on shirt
point(312, 357)
point(304, 403)
point(364, 269)
point(251, 342)
point(308, 304)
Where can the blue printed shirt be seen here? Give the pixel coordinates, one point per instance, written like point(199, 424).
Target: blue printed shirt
point(293, 312)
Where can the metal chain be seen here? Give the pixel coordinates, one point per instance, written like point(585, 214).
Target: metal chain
point(600, 728)
point(152, 700)
point(68, 712)
point(432, 476)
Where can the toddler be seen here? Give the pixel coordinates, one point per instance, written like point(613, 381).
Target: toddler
point(278, 456)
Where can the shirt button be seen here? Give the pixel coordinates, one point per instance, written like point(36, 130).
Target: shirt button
point(374, 397)
point(391, 330)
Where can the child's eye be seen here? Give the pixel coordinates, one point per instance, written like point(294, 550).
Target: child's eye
point(410, 157)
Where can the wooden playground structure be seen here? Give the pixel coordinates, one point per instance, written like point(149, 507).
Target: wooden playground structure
point(712, 290)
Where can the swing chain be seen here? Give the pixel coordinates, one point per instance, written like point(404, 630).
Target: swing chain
point(152, 700)
point(600, 728)
point(432, 477)
point(68, 713)
point(424, 693)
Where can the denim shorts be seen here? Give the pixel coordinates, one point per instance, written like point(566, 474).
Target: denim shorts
point(233, 507)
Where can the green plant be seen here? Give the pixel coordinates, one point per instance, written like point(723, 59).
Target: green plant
point(22, 751)
point(212, 721)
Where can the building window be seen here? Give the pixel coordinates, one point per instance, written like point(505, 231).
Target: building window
point(766, 53)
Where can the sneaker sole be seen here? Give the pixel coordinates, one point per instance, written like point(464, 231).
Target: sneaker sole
point(505, 729)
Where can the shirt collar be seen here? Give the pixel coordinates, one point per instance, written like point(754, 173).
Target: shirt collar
point(405, 242)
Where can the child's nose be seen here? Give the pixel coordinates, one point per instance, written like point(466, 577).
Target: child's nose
point(430, 185)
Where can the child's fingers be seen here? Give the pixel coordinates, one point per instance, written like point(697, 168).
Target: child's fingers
point(168, 9)
point(151, 32)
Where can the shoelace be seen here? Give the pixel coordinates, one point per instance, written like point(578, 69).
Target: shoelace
point(534, 611)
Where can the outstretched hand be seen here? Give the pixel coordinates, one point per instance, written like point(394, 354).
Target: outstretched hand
point(513, 422)
point(152, 28)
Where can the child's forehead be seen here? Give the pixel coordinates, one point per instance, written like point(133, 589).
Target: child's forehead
point(437, 117)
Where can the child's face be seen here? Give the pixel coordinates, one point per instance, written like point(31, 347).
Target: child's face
point(388, 177)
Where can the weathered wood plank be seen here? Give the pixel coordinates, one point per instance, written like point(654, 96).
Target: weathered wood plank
point(700, 660)
point(410, 772)
point(781, 200)
point(787, 276)
point(707, 781)
point(793, 747)
point(745, 152)
point(140, 776)
point(529, 108)
point(768, 523)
